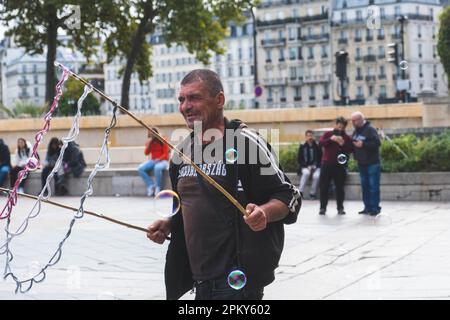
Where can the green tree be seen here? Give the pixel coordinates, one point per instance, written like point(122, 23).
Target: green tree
point(200, 25)
point(443, 45)
point(35, 26)
point(68, 102)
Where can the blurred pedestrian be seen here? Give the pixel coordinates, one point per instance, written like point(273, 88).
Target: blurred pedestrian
point(53, 152)
point(309, 159)
point(19, 161)
point(337, 146)
point(5, 161)
point(366, 144)
point(158, 153)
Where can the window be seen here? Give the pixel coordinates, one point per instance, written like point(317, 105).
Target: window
point(358, 34)
point(292, 53)
point(397, 10)
point(36, 91)
point(420, 71)
point(381, 51)
point(417, 9)
point(230, 71)
point(323, 30)
point(281, 55)
point(358, 72)
point(242, 88)
point(382, 91)
point(292, 73)
point(324, 52)
point(369, 51)
point(312, 93)
point(241, 71)
point(310, 52)
point(240, 53)
point(370, 91)
point(283, 94)
point(292, 33)
point(359, 15)
point(300, 56)
point(268, 56)
point(382, 13)
point(419, 31)
point(343, 17)
point(358, 53)
point(326, 91)
point(381, 70)
point(419, 49)
point(310, 33)
point(298, 94)
point(360, 92)
point(434, 51)
point(35, 79)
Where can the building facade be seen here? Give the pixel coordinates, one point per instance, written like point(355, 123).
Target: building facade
point(294, 57)
point(371, 78)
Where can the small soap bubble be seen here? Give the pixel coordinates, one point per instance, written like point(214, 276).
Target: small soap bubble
point(403, 65)
point(166, 203)
point(237, 279)
point(231, 155)
point(342, 158)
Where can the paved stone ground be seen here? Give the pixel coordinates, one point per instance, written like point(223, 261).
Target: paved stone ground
point(402, 255)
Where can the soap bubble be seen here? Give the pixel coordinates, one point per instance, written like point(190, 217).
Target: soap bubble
point(231, 155)
point(168, 205)
point(342, 158)
point(237, 279)
point(403, 64)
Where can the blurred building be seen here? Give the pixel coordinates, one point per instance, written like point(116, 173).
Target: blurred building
point(294, 57)
point(371, 78)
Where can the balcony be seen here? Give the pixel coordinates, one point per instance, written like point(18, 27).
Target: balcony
point(371, 78)
point(273, 42)
point(316, 78)
point(359, 78)
point(24, 95)
point(23, 82)
point(381, 76)
point(381, 56)
point(358, 58)
point(312, 98)
point(342, 41)
point(395, 36)
point(283, 99)
point(297, 99)
point(422, 17)
point(295, 81)
point(358, 101)
point(316, 37)
point(11, 73)
point(317, 17)
point(326, 97)
point(369, 38)
point(358, 39)
point(380, 37)
point(369, 58)
point(275, 81)
point(268, 60)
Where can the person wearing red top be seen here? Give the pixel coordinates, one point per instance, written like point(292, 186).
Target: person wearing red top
point(158, 153)
point(334, 143)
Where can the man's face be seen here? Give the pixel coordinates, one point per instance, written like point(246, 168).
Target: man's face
point(357, 121)
point(309, 137)
point(196, 104)
point(339, 127)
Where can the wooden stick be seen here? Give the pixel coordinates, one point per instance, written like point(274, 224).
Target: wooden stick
point(75, 209)
point(162, 139)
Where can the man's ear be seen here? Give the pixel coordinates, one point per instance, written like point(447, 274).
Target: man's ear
point(220, 100)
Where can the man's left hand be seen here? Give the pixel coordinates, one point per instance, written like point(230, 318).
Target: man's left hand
point(358, 144)
point(256, 218)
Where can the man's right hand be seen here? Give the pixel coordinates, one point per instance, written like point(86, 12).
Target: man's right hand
point(158, 231)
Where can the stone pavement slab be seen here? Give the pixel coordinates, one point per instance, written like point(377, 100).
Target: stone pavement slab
point(401, 255)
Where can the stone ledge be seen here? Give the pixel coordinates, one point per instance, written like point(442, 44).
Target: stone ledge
point(430, 186)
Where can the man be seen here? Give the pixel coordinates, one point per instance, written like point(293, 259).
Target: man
point(367, 153)
point(5, 161)
point(334, 143)
point(210, 237)
point(309, 158)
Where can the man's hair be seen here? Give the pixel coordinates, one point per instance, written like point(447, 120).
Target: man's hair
point(341, 120)
point(308, 131)
point(211, 80)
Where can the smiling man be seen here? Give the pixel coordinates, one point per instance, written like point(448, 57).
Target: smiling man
point(209, 237)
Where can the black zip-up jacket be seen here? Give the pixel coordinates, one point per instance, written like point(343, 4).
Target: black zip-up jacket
point(5, 156)
point(370, 152)
point(257, 253)
point(304, 159)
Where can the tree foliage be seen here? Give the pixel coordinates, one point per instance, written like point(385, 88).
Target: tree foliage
point(443, 45)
